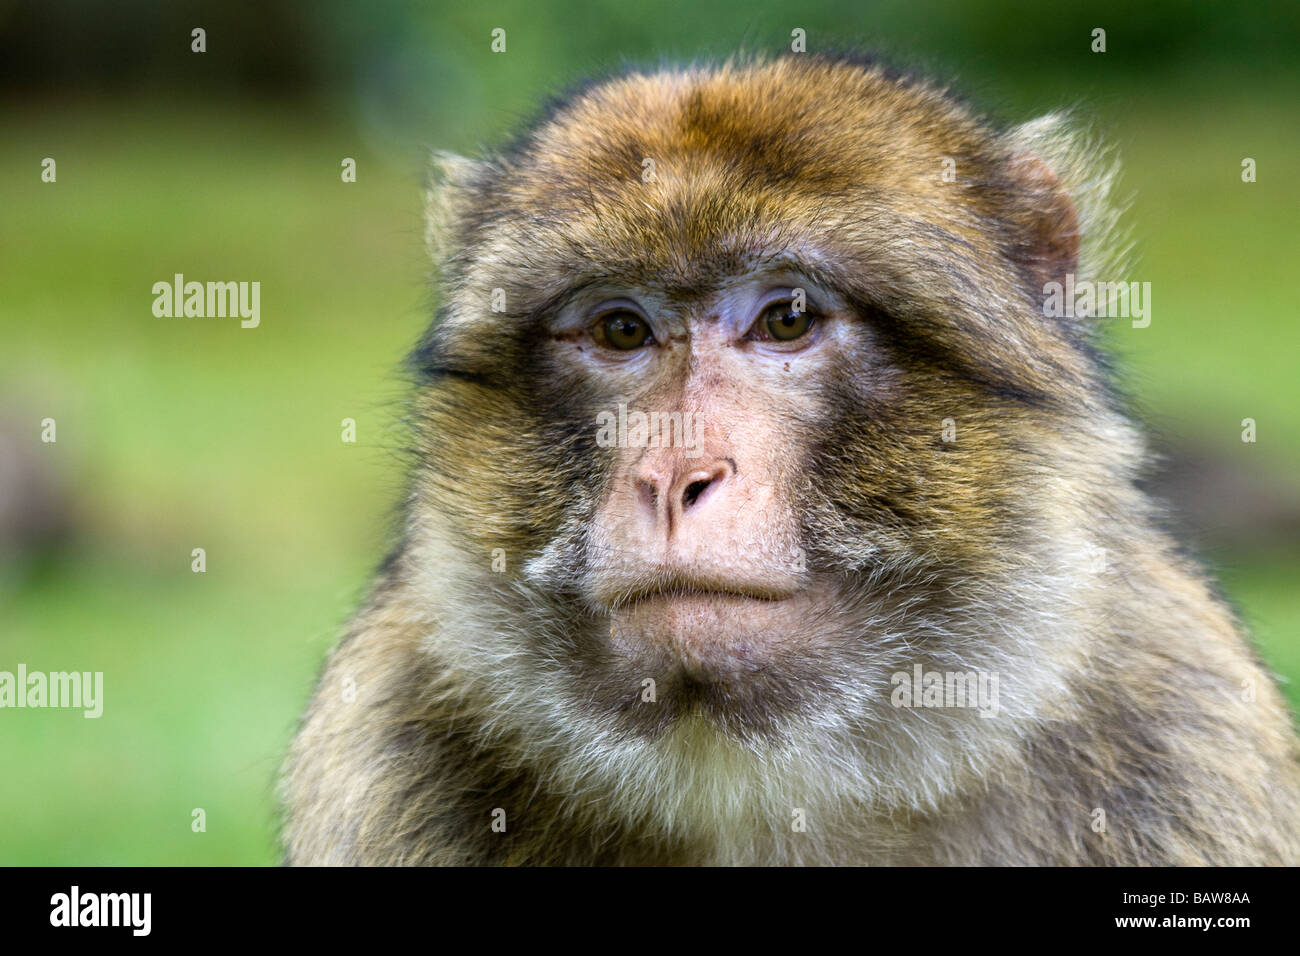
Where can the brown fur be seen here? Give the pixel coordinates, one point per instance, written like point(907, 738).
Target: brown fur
point(475, 691)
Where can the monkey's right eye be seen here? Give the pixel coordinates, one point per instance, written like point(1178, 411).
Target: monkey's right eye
point(624, 330)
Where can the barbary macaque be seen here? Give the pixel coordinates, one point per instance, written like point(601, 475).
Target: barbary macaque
point(762, 515)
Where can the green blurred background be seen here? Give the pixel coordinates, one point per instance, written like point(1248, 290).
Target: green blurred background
point(175, 434)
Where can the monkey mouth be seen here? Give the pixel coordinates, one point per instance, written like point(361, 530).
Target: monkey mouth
point(710, 631)
point(650, 594)
point(627, 593)
point(625, 588)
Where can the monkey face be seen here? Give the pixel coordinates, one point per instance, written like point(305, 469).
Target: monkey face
point(742, 422)
point(696, 548)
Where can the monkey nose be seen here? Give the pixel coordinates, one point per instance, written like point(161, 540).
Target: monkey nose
point(670, 495)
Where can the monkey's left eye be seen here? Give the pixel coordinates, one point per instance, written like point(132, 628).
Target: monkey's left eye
point(624, 330)
point(781, 322)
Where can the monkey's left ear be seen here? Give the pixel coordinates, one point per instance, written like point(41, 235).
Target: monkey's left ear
point(447, 201)
point(1047, 218)
point(1054, 169)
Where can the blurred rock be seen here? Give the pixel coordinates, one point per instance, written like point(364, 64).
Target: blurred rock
point(1238, 503)
point(35, 507)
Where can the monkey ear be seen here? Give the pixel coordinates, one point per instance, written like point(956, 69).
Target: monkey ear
point(1052, 166)
point(1048, 219)
point(451, 181)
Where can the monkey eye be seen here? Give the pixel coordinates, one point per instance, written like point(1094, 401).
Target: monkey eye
point(781, 322)
point(624, 330)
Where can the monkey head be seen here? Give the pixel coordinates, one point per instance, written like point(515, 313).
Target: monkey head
point(752, 402)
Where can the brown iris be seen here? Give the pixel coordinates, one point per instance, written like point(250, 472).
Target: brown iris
point(784, 324)
point(625, 330)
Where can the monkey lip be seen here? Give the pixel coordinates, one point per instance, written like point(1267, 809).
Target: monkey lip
point(624, 588)
point(709, 631)
point(709, 621)
point(687, 593)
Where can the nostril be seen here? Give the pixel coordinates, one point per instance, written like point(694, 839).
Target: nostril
point(700, 486)
point(649, 494)
point(693, 492)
